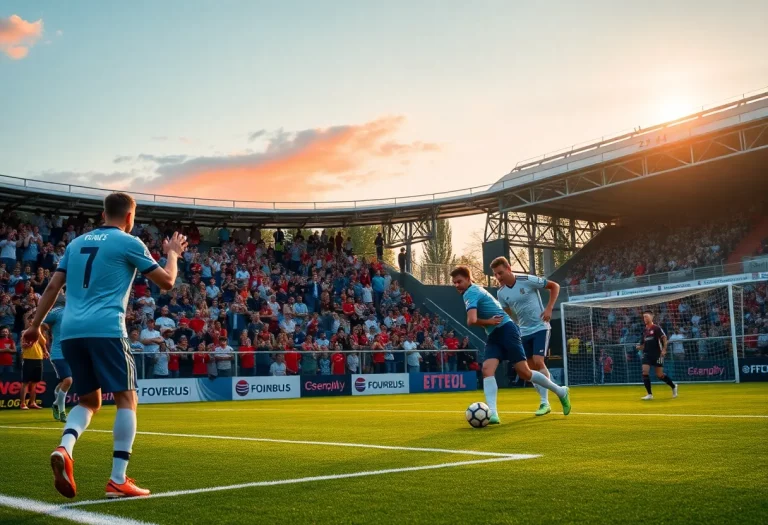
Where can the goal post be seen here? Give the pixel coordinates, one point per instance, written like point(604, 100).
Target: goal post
point(704, 328)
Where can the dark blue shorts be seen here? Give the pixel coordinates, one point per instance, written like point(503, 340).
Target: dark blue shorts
point(100, 363)
point(504, 344)
point(61, 367)
point(536, 344)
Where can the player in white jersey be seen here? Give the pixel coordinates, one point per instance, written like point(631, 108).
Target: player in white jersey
point(520, 296)
point(98, 269)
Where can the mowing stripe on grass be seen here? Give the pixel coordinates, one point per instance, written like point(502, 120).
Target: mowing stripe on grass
point(58, 511)
point(302, 442)
point(455, 412)
point(510, 457)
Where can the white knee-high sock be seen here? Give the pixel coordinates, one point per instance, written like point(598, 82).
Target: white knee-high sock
point(537, 378)
point(78, 420)
point(61, 399)
point(543, 392)
point(123, 433)
point(491, 389)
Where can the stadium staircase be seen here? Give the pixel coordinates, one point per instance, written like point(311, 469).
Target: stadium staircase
point(750, 242)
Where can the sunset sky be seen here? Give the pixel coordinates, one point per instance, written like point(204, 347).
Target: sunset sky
point(306, 101)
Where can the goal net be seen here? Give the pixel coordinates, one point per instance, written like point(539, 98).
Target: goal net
point(703, 327)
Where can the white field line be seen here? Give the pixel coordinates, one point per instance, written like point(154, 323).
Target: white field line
point(302, 442)
point(510, 457)
point(62, 512)
point(458, 412)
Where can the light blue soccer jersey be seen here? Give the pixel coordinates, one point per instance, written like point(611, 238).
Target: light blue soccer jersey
point(53, 320)
point(486, 305)
point(524, 300)
point(100, 267)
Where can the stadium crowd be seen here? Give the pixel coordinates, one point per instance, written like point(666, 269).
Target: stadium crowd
point(662, 247)
point(296, 305)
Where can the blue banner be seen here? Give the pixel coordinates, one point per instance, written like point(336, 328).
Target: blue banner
point(316, 386)
point(753, 369)
point(447, 382)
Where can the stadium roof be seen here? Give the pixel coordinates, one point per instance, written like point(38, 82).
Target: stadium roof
point(698, 155)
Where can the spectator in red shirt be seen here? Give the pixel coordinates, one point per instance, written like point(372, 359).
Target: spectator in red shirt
point(200, 361)
point(452, 343)
point(338, 362)
point(292, 358)
point(378, 357)
point(247, 361)
point(7, 351)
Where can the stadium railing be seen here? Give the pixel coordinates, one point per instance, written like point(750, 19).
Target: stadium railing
point(748, 265)
point(145, 361)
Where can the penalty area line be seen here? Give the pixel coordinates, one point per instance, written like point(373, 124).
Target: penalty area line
point(302, 442)
point(330, 477)
point(64, 513)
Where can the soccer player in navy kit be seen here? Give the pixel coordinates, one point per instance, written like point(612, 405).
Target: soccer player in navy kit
point(654, 347)
point(520, 295)
point(503, 341)
point(98, 269)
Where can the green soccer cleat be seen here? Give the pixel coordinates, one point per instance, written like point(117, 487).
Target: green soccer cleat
point(544, 409)
point(494, 420)
point(63, 416)
point(566, 401)
point(56, 414)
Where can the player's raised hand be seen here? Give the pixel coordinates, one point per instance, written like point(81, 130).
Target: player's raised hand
point(176, 244)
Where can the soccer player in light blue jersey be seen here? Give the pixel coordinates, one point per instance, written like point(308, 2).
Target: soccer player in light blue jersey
point(520, 296)
point(98, 269)
point(60, 366)
point(503, 341)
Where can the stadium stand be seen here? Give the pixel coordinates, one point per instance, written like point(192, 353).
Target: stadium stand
point(678, 244)
point(245, 306)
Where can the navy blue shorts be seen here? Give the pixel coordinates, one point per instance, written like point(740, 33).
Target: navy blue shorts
point(61, 367)
point(504, 344)
point(536, 344)
point(100, 363)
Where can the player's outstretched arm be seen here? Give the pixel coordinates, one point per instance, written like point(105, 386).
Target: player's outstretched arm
point(32, 334)
point(174, 248)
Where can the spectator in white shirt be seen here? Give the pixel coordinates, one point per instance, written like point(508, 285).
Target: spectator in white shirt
point(368, 294)
point(371, 323)
point(223, 354)
point(151, 340)
point(288, 325)
point(413, 357)
point(278, 367)
point(353, 363)
point(678, 349)
point(147, 305)
point(164, 321)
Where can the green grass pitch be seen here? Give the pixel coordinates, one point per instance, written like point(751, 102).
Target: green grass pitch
point(615, 459)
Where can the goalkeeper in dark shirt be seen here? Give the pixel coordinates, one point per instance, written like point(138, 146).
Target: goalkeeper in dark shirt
point(654, 347)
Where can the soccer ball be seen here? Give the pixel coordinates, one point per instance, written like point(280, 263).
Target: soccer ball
point(478, 414)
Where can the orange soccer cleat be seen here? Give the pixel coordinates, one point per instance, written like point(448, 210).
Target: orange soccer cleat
point(63, 467)
point(125, 490)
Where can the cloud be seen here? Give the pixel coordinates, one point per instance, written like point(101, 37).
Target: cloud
point(17, 36)
point(120, 159)
point(300, 165)
point(256, 134)
point(159, 139)
point(59, 32)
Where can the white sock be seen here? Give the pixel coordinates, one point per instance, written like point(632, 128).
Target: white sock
point(491, 389)
point(124, 432)
point(61, 398)
point(537, 378)
point(77, 421)
point(543, 393)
